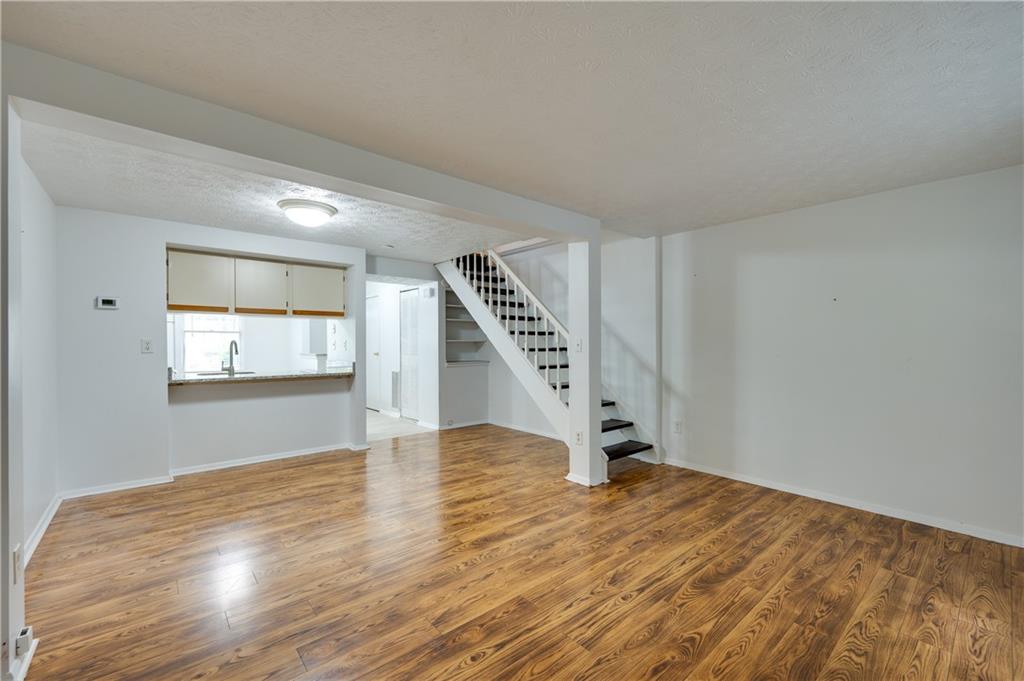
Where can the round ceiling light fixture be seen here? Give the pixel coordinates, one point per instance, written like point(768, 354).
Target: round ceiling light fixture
point(307, 213)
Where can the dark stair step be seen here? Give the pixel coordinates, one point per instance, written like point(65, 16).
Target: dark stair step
point(608, 425)
point(607, 403)
point(524, 332)
point(519, 318)
point(621, 450)
point(493, 289)
point(487, 277)
point(542, 367)
point(565, 386)
point(562, 349)
point(502, 303)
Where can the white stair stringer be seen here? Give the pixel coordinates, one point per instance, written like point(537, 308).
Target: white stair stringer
point(507, 347)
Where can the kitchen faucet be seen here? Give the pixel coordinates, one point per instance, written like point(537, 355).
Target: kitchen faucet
point(232, 351)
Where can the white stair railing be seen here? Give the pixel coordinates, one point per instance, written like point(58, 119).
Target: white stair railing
point(485, 272)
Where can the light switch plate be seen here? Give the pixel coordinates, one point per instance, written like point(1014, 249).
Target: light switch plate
point(146, 346)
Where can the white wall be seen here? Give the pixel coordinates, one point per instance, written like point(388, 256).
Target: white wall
point(867, 350)
point(118, 425)
point(39, 333)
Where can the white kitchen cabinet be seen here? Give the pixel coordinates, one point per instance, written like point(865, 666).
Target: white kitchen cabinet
point(261, 287)
point(200, 282)
point(317, 291)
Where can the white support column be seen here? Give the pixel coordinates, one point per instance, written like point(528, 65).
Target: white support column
point(587, 464)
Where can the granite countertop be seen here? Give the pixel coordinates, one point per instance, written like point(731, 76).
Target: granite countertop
point(261, 377)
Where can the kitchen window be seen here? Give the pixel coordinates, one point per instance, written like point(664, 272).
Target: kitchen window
point(203, 340)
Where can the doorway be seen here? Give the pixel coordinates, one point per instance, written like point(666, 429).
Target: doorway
point(402, 357)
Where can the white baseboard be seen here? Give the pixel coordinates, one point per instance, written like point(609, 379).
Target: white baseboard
point(20, 665)
point(37, 534)
point(532, 431)
point(362, 447)
point(580, 480)
point(465, 424)
point(902, 514)
point(246, 461)
point(427, 424)
point(115, 487)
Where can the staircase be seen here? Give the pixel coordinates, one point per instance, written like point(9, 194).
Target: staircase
point(533, 343)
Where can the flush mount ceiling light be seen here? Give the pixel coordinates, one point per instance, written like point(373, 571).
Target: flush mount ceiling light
point(307, 213)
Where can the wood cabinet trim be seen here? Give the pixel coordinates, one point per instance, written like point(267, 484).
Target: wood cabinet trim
point(318, 313)
point(197, 308)
point(260, 310)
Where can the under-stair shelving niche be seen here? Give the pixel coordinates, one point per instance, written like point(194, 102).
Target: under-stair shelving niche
point(464, 340)
point(532, 342)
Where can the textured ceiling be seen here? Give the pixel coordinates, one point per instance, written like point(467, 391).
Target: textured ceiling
point(654, 117)
point(89, 172)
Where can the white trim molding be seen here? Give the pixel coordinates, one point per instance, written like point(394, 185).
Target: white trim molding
point(902, 514)
point(37, 534)
point(262, 458)
point(20, 665)
point(465, 424)
point(586, 482)
point(115, 487)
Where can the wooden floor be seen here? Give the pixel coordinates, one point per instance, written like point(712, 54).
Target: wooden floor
point(465, 555)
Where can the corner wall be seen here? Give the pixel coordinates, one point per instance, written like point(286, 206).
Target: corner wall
point(39, 333)
point(866, 351)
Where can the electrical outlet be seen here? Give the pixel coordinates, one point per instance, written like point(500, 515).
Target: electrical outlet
point(677, 427)
point(579, 437)
point(147, 346)
point(451, 421)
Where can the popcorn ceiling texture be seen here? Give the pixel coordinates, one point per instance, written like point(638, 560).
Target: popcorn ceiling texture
point(89, 172)
point(655, 118)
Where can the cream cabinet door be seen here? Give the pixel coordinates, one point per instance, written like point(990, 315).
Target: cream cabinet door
point(261, 287)
point(200, 282)
point(317, 291)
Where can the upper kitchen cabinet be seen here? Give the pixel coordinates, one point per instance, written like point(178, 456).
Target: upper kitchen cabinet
point(318, 291)
point(261, 287)
point(200, 282)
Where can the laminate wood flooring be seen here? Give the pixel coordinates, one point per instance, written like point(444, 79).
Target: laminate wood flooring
point(464, 554)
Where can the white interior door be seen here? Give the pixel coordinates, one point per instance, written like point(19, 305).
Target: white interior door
point(374, 397)
point(409, 339)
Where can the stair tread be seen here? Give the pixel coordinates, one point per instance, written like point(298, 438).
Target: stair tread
point(531, 332)
point(609, 425)
point(607, 403)
point(621, 450)
point(518, 318)
point(562, 349)
point(542, 367)
point(565, 386)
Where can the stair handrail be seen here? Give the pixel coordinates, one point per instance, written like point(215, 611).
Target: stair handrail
point(470, 268)
point(534, 300)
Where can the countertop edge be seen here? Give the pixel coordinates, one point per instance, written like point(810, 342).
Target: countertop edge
point(214, 380)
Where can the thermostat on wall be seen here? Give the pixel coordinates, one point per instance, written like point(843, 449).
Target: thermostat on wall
point(107, 303)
